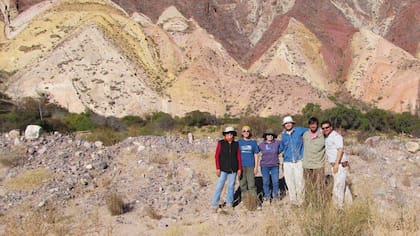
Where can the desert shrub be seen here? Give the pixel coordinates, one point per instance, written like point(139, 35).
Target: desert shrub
point(353, 220)
point(163, 121)
point(257, 124)
point(152, 213)
point(344, 117)
point(106, 135)
point(250, 201)
point(80, 122)
point(109, 121)
point(51, 124)
point(198, 118)
point(312, 110)
point(29, 180)
point(405, 123)
point(230, 120)
point(157, 124)
point(115, 203)
point(379, 120)
point(133, 121)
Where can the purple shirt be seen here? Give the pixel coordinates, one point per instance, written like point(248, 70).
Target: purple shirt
point(270, 153)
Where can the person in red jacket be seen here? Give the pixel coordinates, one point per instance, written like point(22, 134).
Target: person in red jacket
point(228, 166)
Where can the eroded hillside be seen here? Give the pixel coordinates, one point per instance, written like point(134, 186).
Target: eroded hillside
point(227, 58)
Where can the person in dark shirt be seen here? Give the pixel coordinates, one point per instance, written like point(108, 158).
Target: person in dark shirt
point(228, 166)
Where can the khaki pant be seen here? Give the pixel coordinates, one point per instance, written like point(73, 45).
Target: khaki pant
point(340, 188)
point(247, 181)
point(293, 174)
point(315, 188)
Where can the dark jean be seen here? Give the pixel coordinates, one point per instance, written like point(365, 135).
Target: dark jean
point(274, 172)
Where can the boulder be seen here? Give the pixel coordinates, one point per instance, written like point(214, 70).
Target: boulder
point(373, 141)
point(13, 134)
point(412, 147)
point(32, 132)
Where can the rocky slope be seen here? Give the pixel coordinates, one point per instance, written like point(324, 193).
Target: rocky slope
point(167, 183)
point(227, 57)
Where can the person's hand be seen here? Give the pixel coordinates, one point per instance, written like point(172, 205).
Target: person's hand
point(255, 170)
point(239, 173)
point(335, 168)
point(218, 172)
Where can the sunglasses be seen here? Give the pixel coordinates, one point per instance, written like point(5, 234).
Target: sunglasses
point(325, 127)
point(245, 131)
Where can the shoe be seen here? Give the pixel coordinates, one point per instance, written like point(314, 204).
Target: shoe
point(214, 209)
point(259, 208)
point(266, 202)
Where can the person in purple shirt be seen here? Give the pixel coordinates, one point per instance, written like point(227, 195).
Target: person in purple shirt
point(269, 163)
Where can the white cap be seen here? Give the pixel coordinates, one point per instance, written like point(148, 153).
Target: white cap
point(288, 119)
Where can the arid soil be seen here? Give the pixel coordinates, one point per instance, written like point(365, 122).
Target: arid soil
point(166, 184)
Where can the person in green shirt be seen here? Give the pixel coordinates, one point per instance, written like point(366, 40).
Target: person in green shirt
point(314, 163)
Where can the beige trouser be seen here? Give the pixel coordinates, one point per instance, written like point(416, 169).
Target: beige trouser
point(341, 189)
point(293, 175)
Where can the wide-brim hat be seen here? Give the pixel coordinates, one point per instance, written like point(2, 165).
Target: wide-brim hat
point(229, 129)
point(269, 131)
point(288, 119)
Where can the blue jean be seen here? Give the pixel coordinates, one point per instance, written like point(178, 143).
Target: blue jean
point(219, 187)
point(274, 172)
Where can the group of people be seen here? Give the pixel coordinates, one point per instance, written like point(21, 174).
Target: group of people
point(304, 150)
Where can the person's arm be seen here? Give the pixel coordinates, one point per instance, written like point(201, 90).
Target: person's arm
point(256, 164)
point(281, 146)
point(239, 157)
point(217, 159)
point(340, 152)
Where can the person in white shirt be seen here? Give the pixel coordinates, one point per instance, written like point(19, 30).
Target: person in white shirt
point(334, 149)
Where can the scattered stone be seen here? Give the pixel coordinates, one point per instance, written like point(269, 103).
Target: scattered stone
point(32, 132)
point(42, 203)
point(98, 144)
point(13, 134)
point(412, 147)
point(190, 138)
point(89, 167)
point(103, 165)
point(372, 141)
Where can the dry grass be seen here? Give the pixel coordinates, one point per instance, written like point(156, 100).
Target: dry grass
point(250, 201)
point(43, 221)
point(152, 212)
point(28, 180)
point(353, 220)
point(115, 203)
point(14, 157)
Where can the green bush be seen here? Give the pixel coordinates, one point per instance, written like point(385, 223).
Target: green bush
point(405, 123)
point(379, 120)
point(312, 110)
point(80, 122)
point(344, 117)
point(257, 124)
point(133, 120)
point(198, 118)
point(106, 135)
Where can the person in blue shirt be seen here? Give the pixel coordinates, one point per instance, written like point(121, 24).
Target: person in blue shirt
point(249, 153)
point(292, 147)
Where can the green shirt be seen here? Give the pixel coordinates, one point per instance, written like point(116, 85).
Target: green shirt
point(313, 150)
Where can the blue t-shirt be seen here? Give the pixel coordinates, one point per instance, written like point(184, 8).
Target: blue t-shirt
point(248, 149)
